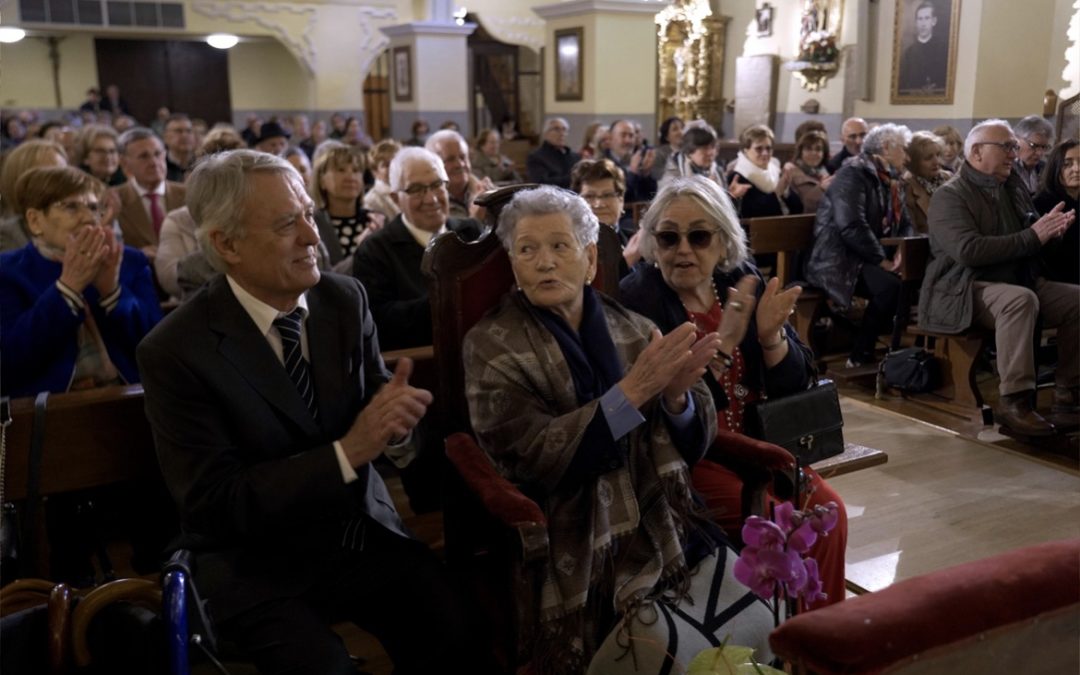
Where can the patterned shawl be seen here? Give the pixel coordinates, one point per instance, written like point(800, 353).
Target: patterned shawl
point(618, 538)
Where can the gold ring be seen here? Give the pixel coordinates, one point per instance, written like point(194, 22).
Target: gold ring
point(735, 305)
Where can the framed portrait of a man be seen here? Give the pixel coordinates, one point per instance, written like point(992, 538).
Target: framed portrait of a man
point(924, 51)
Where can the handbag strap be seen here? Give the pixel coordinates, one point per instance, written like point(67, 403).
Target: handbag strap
point(5, 422)
point(33, 483)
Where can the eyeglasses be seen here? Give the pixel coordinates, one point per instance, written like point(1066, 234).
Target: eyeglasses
point(600, 196)
point(762, 149)
point(72, 207)
point(698, 239)
point(1009, 147)
point(1045, 147)
point(422, 190)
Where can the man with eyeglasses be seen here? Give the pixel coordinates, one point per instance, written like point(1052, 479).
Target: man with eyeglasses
point(147, 196)
point(986, 237)
point(1036, 137)
point(853, 133)
point(552, 162)
point(388, 261)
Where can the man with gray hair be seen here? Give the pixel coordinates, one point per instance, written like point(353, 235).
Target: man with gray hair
point(388, 261)
point(462, 186)
point(146, 197)
point(551, 163)
point(1036, 137)
point(986, 236)
point(269, 400)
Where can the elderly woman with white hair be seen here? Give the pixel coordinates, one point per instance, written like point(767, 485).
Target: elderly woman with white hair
point(600, 417)
point(863, 204)
point(697, 268)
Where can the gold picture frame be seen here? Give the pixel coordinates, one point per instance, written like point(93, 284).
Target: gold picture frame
point(924, 68)
point(569, 71)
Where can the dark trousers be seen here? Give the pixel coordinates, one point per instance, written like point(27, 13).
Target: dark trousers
point(882, 288)
point(395, 589)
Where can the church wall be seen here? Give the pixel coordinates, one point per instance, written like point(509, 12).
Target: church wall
point(26, 73)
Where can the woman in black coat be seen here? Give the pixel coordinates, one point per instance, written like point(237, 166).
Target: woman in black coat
point(1061, 183)
point(863, 204)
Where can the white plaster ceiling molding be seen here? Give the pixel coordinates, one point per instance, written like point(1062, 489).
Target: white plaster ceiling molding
point(519, 30)
point(279, 19)
point(578, 7)
point(1071, 74)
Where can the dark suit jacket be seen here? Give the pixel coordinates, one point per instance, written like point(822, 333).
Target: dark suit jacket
point(551, 165)
point(135, 223)
point(388, 264)
point(255, 477)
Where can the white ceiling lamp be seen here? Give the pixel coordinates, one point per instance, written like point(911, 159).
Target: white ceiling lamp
point(222, 40)
point(9, 34)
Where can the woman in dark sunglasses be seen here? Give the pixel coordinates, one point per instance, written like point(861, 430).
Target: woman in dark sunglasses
point(697, 268)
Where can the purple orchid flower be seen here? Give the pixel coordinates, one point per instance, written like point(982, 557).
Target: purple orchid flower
point(824, 517)
point(812, 592)
point(803, 537)
point(761, 569)
point(797, 581)
point(760, 533)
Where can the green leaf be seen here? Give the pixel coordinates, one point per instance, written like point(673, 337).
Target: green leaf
point(728, 660)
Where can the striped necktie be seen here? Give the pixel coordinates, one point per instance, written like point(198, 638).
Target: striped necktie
point(289, 327)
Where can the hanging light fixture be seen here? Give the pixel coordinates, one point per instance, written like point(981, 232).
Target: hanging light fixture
point(222, 40)
point(9, 34)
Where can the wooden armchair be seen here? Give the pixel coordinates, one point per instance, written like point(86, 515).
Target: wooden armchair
point(496, 537)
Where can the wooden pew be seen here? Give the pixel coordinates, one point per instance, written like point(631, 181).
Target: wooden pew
point(958, 394)
point(787, 236)
point(92, 439)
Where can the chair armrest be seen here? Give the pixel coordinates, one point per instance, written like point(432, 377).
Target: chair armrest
point(499, 497)
point(744, 450)
point(135, 591)
point(873, 631)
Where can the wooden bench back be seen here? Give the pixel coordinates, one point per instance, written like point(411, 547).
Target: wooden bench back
point(914, 256)
point(785, 236)
point(92, 438)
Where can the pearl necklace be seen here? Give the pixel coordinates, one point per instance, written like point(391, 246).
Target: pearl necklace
point(731, 378)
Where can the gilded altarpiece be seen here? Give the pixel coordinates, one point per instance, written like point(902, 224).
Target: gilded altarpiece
point(690, 57)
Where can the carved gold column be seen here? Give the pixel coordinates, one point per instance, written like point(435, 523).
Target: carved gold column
point(690, 63)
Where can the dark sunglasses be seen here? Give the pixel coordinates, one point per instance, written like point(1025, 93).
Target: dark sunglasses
point(698, 239)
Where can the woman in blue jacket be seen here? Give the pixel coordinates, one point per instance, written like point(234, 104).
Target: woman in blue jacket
point(75, 300)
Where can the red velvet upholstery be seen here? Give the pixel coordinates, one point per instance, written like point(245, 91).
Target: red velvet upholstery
point(730, 445)
point(498, 495)
point(871, 632)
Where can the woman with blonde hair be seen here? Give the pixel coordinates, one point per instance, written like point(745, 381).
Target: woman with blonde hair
point(27, 155)
point(809, 177)
point(98, 154)
point(379, 198)
point(337, 186)
point(923, 177)
point(770, 192)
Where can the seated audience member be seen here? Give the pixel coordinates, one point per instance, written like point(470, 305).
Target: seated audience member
point(697, 269)
point(462, 187)
point(1036, 137)
point(809, 177)
point(488, 163)
point(863, 204)
point(338, 123)
point(250, 134)
point(770, 192)
point(273, 139)
point(124, 122)
point(269, 400)
point(337, 186)
point(12, 132)
point(1061, 184)
point(602, 185)
point(450, 125)
point(952, 154)
point(114, 102)
point(590, 148)
point(923, 177)
point(76, 301)
point(696, 157)
point(180, 265)
point(30, 154)
point(355, 135)
point(299, 159)
point(180, 145)
point(587, 406)
point(985, 272)
point(317, 136)
point(380, 198)
point(59, 132)
point(635, 162)
point(98, 155)
point(146, 196)
point(388, 262)
point(93, 101)
point(668, 143)
point(852, 133)
point(420, 132)
point(552, 162)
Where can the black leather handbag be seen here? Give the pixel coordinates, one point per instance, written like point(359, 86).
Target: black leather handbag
point(807, 424)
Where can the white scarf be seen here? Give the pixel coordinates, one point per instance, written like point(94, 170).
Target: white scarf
point(763, 179)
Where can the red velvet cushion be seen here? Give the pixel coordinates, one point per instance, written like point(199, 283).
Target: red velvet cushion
point(499, 496)
point(868, 633)
point(750, 450)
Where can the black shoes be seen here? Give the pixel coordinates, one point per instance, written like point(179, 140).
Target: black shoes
point(1016, 412)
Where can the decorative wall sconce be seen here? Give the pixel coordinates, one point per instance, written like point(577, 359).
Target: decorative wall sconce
point(819, 34)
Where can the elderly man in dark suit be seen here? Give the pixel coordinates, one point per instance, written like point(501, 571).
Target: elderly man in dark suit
point(147, 196)
point(388, 261)
point(269, 400)
point(553, 161)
